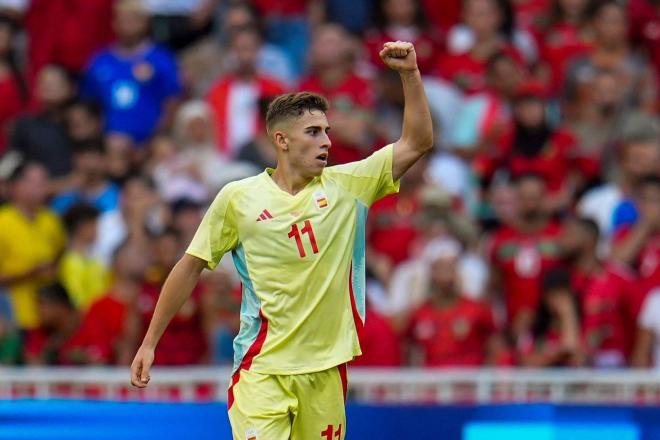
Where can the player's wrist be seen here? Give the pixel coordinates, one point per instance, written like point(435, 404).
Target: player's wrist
point(409, 73)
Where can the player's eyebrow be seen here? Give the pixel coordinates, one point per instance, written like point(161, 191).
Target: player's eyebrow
point(317, 127)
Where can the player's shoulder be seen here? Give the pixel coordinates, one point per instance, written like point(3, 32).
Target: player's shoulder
point(237, 187)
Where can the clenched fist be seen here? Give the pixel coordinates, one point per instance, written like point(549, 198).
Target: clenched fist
point(399, 56)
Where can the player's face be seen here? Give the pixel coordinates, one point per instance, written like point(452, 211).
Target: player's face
point(308, 143)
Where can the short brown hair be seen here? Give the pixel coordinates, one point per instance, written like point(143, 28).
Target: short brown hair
point(293, 105)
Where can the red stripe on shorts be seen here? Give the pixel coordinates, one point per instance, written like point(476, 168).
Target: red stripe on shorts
point(246, 363)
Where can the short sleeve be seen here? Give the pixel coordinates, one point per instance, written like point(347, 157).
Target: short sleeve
point(369, 179)
point(217, 233)
point(648, 317)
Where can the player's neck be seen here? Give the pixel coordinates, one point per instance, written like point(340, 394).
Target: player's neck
point(288, 180)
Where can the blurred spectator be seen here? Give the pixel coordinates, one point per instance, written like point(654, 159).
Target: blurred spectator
point(14, 8)
point(84, 121)
point(646, 353)
point(354, 15)
point(611, 51)
point(90, 184)
point(52, 340)
point(13, 88)
point(563, 35)
point(443, 14)
point(450, 329)
point(11, 344)
point(186, 216)
point(222, 294)
point(111, 325)
point(391, 230)
point(288, 24)
point(135, 81)
point(638, 155)
point(140, 213)
point(474, 44)
point(42, 137)
point(84, 277)
point(188, 335)
point(644, 18)
point(66, 32)
point(555, 339)
point(179, 23)
point(604, 290)
point(260, 152)
point(530, 12)
point(483, 119)
point(235, 97)
point(195, 134)
point(379, 343)
point(521, 252)
point(638, 245)
point(403, 20)
point(272, 61)
point(461, 37)
point(535, 147)
point(174, 175)
point(351, 97)
point(410, 288)
point(26, 219)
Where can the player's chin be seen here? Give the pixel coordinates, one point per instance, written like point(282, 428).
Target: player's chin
point(318, 166)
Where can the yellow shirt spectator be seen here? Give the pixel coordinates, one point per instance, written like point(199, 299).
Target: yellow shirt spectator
point(26, 244)
point(86, 279)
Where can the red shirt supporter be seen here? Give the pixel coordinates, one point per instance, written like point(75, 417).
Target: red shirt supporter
point(100, 333)
point(443, 14)
point(551, 162)
point(350, 95)
point(379, 343)
point(391, 226)
point(560, 44)
point(645, 27)
point(467, 72)
point(67, 32)
point(185, 341)
point(530, 12)
point(648, 261)
point(452, 336)
point(11, 105)
point(605, 298)
point(281, 7)
point(521, 259)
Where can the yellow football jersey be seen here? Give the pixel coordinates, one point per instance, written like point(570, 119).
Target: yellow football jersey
point(301, 262)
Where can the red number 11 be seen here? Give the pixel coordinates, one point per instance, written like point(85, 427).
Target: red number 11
point(296, 233)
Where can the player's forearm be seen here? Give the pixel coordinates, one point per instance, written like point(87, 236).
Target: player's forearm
point(417, 124)
point(176, 290)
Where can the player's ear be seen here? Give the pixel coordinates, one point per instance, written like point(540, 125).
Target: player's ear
point(281, 140)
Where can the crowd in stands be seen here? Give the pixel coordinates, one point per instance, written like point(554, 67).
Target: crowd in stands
point(530, 236)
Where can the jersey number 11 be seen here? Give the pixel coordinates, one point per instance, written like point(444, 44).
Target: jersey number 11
point(296, 233)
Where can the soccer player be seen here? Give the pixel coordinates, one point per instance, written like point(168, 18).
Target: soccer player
point(296, 234)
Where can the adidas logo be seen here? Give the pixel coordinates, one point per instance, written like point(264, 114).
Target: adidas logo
point(265, 215)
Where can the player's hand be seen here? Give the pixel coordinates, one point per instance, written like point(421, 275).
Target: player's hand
point(399, 56)
point(141, 366)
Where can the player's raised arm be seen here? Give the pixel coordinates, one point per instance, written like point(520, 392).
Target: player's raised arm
point(417, 134)
point(176, 290)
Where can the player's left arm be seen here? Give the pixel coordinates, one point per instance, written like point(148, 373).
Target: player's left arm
point(417, 133)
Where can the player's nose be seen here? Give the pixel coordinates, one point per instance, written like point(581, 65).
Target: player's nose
point(325, 141)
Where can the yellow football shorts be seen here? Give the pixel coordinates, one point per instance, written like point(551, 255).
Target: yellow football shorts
point(289, 407)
